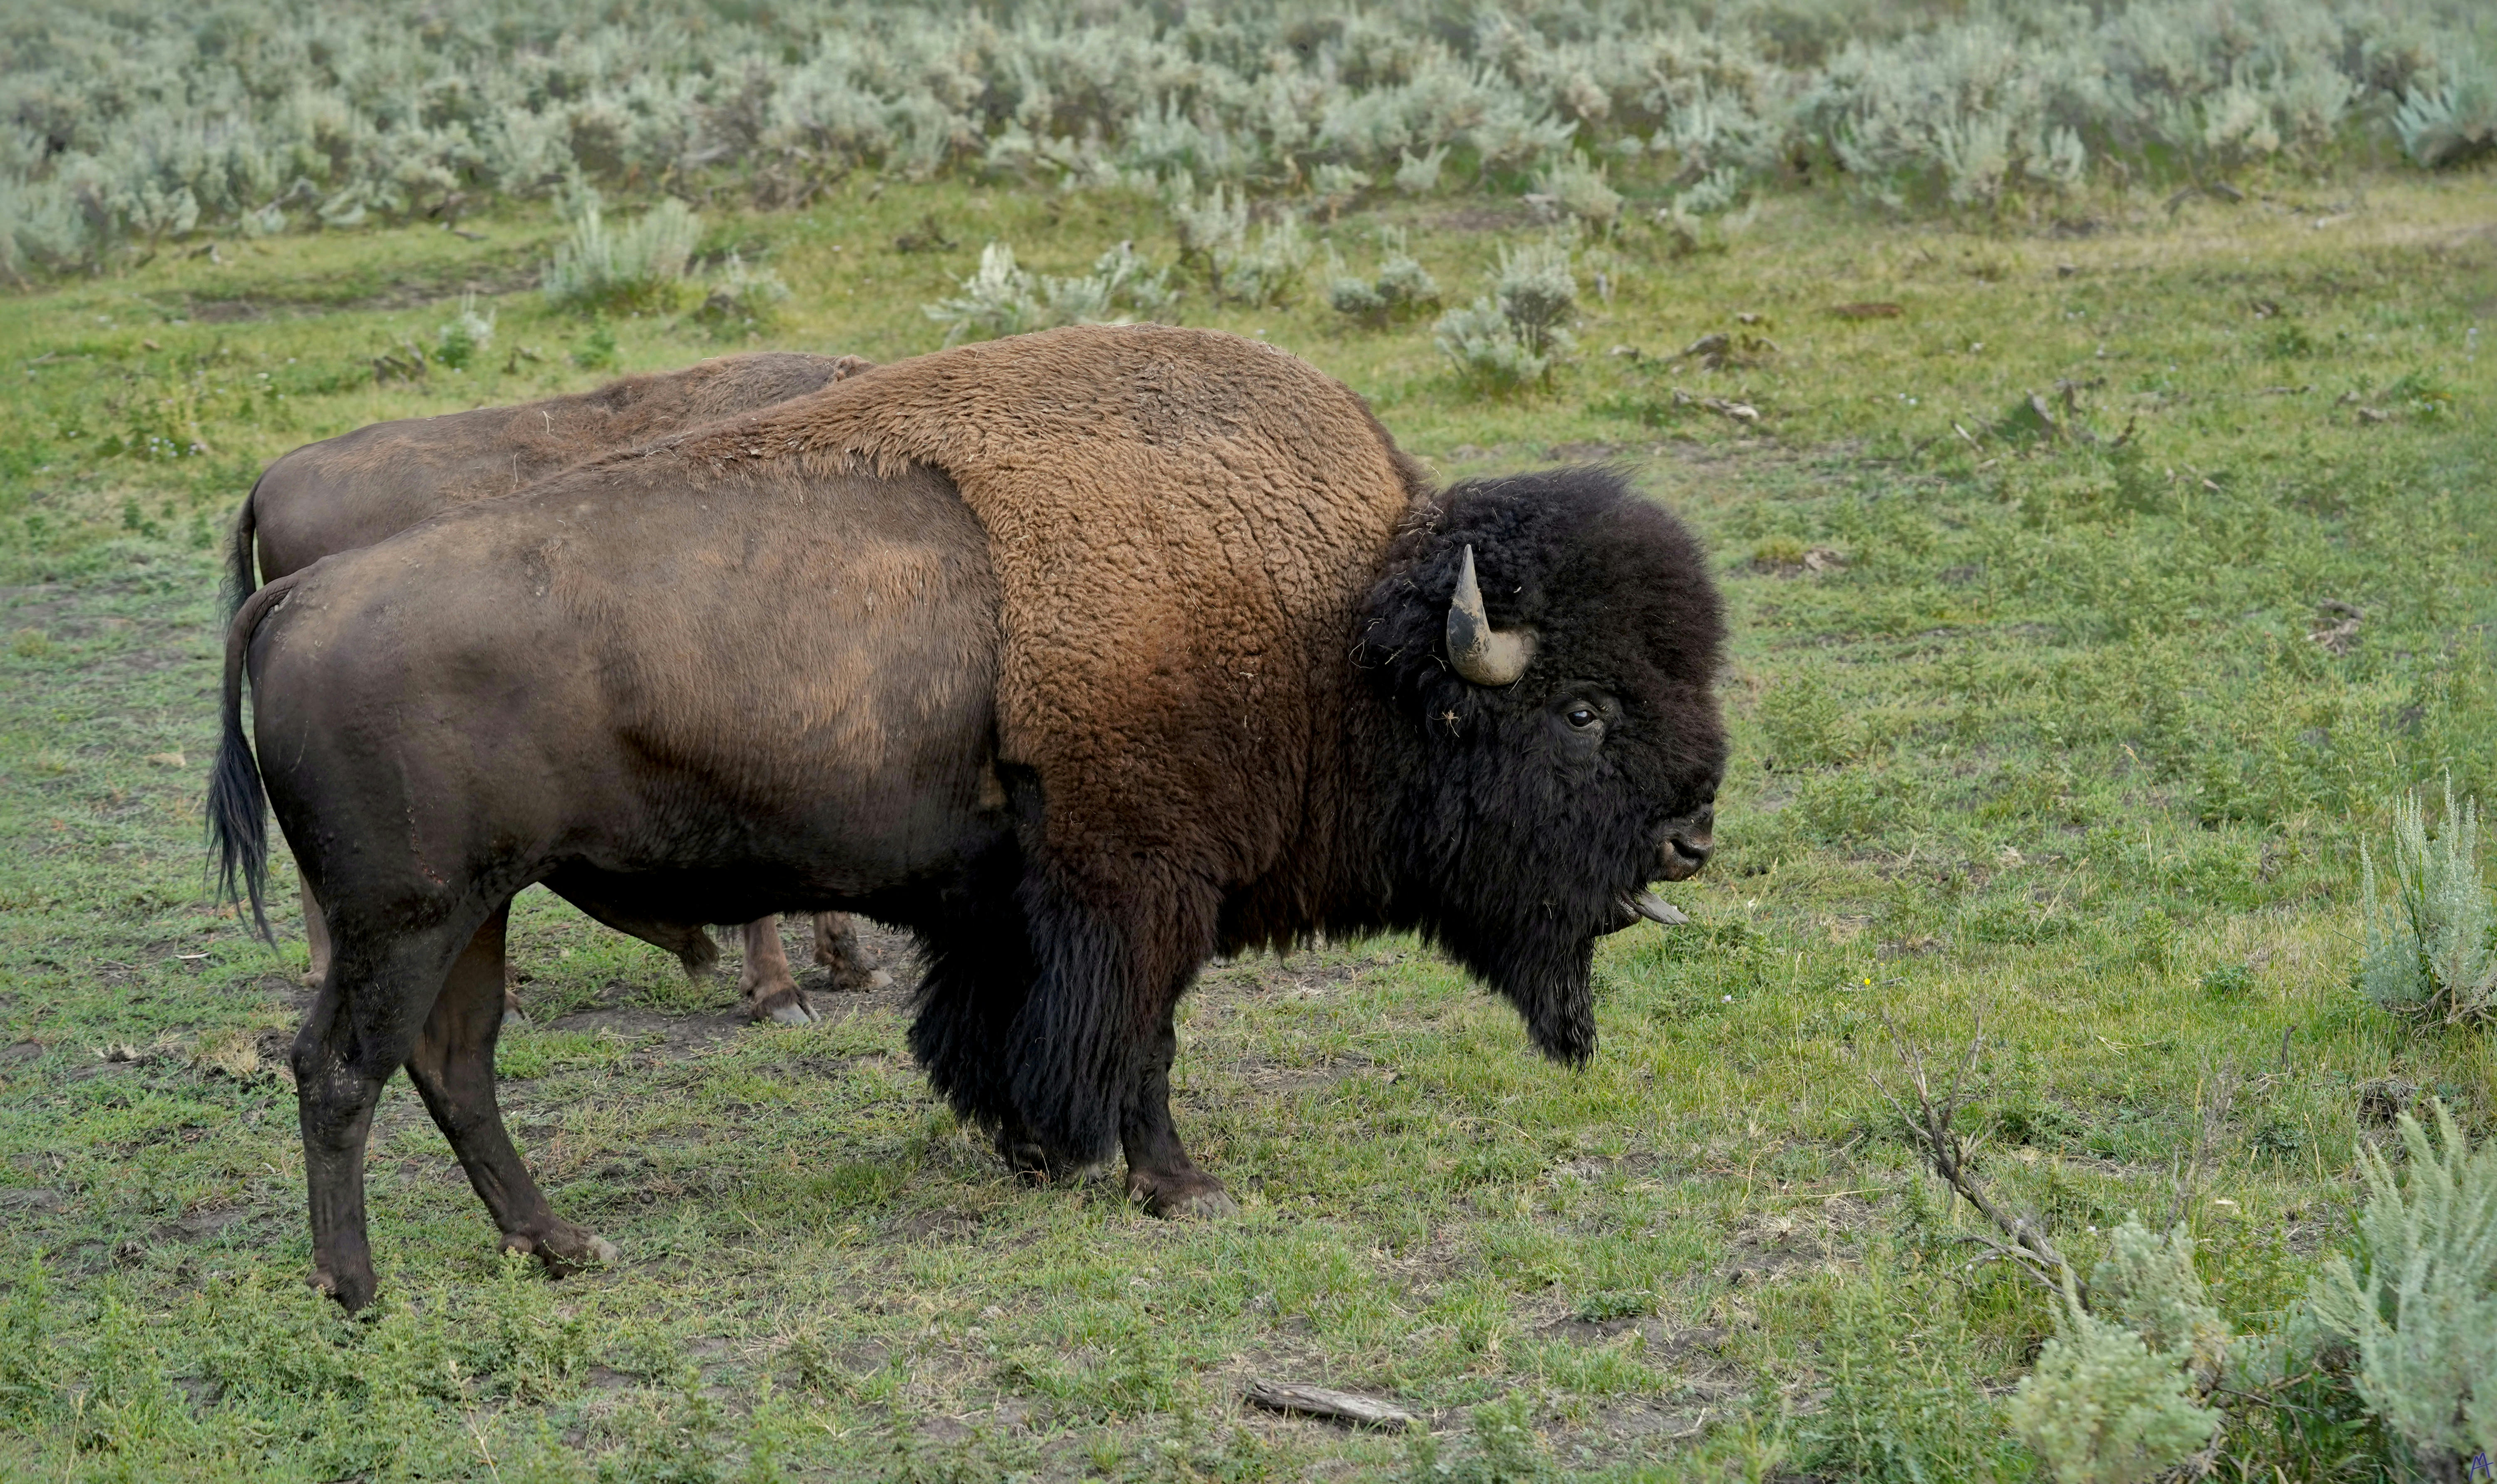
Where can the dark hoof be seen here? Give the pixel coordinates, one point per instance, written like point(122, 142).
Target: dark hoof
point(855, 978)
point(1025, 1156)
point(1172, 1198)
point(353, 1291)
point(564, 1250)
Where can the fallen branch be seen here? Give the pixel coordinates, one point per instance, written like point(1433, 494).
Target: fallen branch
point(2023, 1242)
point(1320, 1402)
point(1740, 412)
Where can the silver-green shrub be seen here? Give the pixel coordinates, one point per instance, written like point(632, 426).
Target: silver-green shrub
point(640, 265)
point(1399, 289)
point(1485, 349)
point(1575, 188)
point(1214, 231)
point(2428, 954)
point(1537, 292)
point(1003, 298)
point(2147, 1283)
point(2455, 119)
point(2420, 1301)
point(1515, 337)
point(466, 334)
point(2102, 1407)
point(739, 298)
point(128, 124)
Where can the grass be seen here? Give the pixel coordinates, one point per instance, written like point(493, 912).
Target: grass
point(2028, 723)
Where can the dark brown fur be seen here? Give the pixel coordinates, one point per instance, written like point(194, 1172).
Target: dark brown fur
point(532, 689)
point(367, 486)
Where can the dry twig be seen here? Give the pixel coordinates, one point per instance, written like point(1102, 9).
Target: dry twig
point(2023, 1242)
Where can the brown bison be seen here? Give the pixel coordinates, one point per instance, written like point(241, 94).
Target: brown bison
point(1119, 650)
point(365, 485)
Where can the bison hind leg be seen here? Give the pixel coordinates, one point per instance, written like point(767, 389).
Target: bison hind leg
point(771, 988)
point(691, 942)
point(839, 949)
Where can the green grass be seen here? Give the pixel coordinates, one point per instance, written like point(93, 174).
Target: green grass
point(2026, 725)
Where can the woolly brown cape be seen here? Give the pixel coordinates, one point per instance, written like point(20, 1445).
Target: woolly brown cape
point(1182, 523)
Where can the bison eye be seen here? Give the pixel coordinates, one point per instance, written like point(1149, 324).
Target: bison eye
point(1583, 716)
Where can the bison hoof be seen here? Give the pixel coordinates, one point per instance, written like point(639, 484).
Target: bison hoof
point(565, 1250)
point(791, 1010)
point(353, 1291)
point(879, 980)
point(1201, 1195)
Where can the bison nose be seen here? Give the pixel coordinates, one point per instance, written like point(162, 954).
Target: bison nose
point(1684, 852)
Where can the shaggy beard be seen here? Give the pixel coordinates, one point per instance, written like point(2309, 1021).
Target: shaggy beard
point(1543, 965)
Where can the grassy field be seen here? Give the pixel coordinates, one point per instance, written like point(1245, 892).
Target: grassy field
point(2068, 715)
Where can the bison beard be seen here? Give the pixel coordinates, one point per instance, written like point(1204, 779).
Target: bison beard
point(405, 693)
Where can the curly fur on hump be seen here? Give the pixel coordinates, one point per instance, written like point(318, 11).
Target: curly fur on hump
point(1515, 839)
point(1183, 525)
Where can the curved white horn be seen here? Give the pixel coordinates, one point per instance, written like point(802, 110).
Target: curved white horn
point(1481, 653)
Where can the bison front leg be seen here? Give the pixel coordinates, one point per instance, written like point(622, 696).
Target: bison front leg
point(772, 992)
point(452, 1067)
point(838, 948)
point(1160, 1176)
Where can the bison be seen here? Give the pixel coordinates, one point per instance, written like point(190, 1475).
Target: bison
point(1314, 696)
point(363, 487)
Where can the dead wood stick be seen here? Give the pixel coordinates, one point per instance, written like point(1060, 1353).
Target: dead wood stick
point(1320, 1402)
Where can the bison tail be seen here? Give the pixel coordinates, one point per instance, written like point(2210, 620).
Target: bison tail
point(237, 808)
point(241, 575)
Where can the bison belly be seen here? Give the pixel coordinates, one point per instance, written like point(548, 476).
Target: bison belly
point(676, 708)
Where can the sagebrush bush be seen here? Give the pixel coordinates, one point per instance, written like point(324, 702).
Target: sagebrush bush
point(2453, 119)
point(468, 331)
point(2427, 954)
point(741, 299)
point(134, 124)
point(1399, 290)
point(1514, 337)
point(2102, 1407)
point(2147, 1283)
point(2419, 1296)
point(1572, 187)
point(1215, 232)
point(637, 266)
point(1003, 298)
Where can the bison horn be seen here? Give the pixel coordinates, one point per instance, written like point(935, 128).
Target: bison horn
point(1481, 653)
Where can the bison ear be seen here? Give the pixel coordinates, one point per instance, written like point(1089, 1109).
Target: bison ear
point(1481, 653)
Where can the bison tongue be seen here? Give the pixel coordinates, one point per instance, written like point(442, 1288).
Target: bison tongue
point(1654, 909)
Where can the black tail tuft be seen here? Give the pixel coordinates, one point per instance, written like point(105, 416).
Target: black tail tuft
point(237, 808)
point(241, 574)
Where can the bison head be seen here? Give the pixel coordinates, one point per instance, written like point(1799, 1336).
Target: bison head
point(1545, 649)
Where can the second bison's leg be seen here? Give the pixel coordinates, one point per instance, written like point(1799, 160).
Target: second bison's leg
point(452, 1067)
point(316, 937)
point(1160, 1176)
point(772, 992)
point(354, 1037)
point(838, 948)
